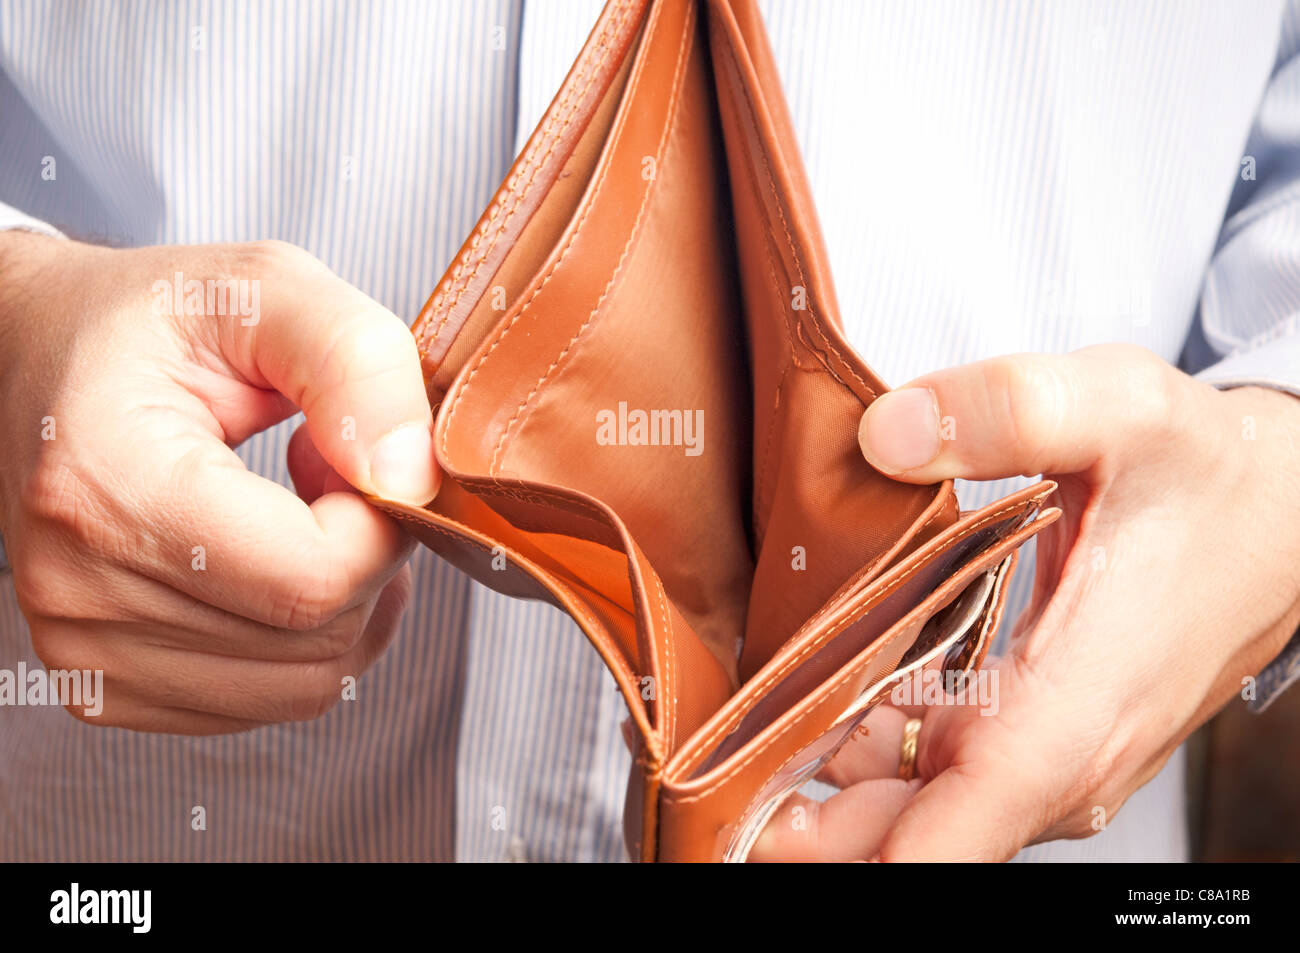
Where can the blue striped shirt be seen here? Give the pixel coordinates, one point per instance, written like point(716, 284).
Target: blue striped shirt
point(992, 177)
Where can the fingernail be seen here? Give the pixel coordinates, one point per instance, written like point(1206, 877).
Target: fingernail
point(900, 430)
point(402, 465)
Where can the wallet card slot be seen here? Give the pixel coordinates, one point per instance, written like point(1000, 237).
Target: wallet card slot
point(949, 631)
point(852, 624)
point(834, 654)
point(701, 811)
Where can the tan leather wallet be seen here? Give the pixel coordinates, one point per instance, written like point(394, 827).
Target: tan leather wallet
point(647, 415)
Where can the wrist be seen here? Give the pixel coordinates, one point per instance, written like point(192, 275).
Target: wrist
point(26, 277)
point(1263, 425)
point(1269, 429)
point(19, 246)
point(24, 256)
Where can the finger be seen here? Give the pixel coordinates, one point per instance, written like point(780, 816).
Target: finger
point(227, 537)
point(164, 617)
point(848, 826)
point(974, 817)
point(307, 468)
point(993, 786)
point(312, 476)
point(873, 752)
point(136, 715)
point(248, 689)
point(1020, 415)
point(94, 598)
point(349, 363)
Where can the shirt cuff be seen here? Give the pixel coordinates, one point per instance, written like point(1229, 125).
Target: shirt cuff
point(11, 219)
point(1279, 675)
point(1275, 364)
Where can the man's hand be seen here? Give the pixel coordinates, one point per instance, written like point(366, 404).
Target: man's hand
point(1173, 576)
point(213, 600)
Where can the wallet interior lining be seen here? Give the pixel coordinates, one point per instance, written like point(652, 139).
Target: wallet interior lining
point(711, 292)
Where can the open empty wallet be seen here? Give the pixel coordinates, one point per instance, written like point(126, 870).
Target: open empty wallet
point(647, 415)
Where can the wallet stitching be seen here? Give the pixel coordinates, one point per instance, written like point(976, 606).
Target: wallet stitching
point(550, 139)
point(500, 335)
point(816, 322)
point(664, 147)
point(825, 698)
point(670, 668)
point(817, 643)
point(785, 228)
point(764, 477)
point(663, 697)
point(544, 499)
point(845, 590)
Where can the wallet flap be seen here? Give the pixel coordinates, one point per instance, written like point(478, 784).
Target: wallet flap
point(535, 201)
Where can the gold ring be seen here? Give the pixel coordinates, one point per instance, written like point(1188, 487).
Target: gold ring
point(907, 754)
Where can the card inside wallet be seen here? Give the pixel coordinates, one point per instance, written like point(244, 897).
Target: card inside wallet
point(647, 414)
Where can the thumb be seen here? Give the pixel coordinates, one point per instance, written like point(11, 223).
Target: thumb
point(1019, 415)
point(353, 368)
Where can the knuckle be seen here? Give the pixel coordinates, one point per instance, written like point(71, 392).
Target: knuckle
point(320, 689)
point(1156, 393)
point(102, 720)
point(273, 255)
point(1150, 386)
point(38, 589)
point(342, 634)
point(47, 648)
point(60, 650)
point(1080, 825)
point(366, 344)
point(307, 600)
point(1030, 396)
point(56, 494)
point(1093, 812)
point(1095, 803)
